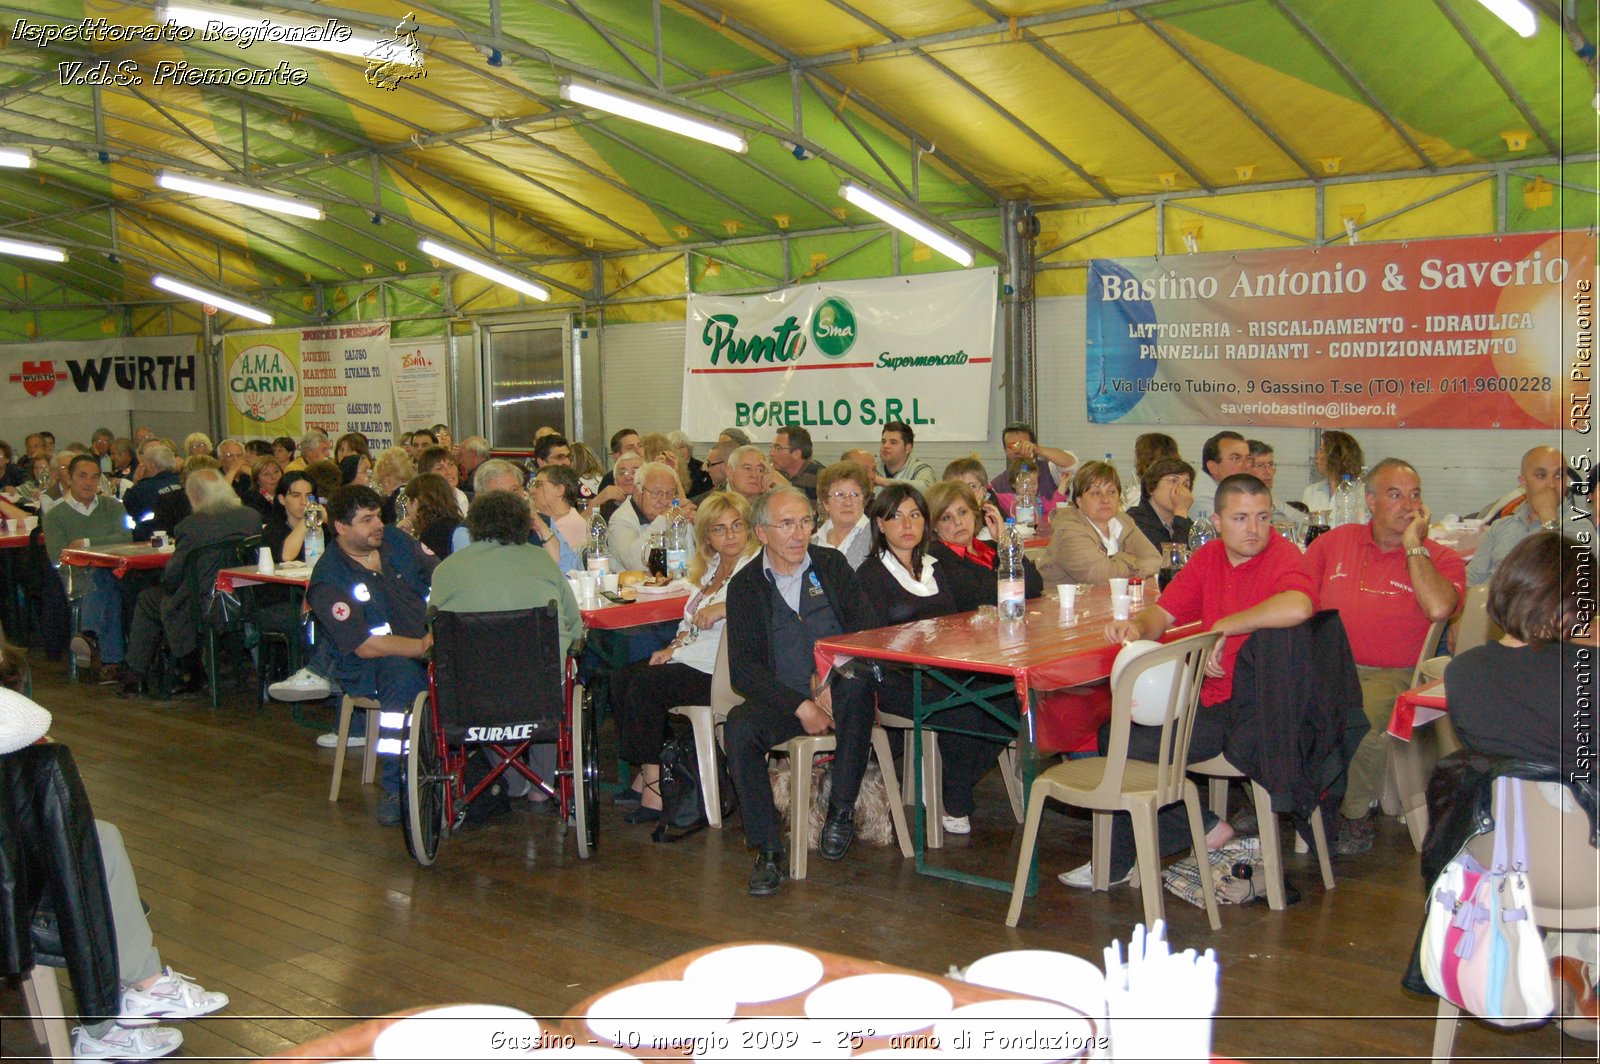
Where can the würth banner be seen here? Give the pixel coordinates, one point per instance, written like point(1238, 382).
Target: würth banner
point(1453, 333)
point(85, 377)
point(842, 359)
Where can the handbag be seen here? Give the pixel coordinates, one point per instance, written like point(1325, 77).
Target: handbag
point(1481, 950)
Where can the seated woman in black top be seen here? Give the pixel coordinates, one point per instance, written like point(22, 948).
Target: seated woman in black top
point(1163, 513)
point(909, 576)
point(432, 515)
point(953, 514)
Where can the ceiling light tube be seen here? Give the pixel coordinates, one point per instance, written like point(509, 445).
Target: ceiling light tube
point(1514, 13)
point(17, 158)
point(264, 201)
point(587, 94)
point(484, 269)
point(906, 222)
point(242, 26)
point(206, 296)
point(47, 252)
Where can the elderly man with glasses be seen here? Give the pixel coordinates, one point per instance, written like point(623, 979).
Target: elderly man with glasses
point(778, 607)
point(632, 523)
point(1389, 582)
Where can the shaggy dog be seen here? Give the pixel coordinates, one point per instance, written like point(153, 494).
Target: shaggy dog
point(872, 806)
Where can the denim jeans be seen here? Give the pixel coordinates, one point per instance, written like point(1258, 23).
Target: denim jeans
point(101, 613)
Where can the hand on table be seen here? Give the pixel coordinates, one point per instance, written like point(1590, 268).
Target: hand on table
point(1122, 632)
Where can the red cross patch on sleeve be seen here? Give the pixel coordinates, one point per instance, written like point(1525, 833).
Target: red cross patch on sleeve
point(341, 611)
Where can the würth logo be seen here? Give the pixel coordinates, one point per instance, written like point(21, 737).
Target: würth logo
point(38, 378)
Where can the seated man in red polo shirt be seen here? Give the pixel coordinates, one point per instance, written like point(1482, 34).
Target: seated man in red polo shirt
point(1389, 582)
point(1250, 578)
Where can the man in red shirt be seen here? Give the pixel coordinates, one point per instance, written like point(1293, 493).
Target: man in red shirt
point(1250, 578)
point(1389, 582)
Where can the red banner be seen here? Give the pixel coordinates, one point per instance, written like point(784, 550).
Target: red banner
point(1456, 333)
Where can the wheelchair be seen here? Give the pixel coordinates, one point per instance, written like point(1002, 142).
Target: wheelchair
point(497, 681)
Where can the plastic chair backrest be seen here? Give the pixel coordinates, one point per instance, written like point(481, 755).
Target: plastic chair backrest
point(499, 669)
point(1430, 647)
point(1183, 702)
point(250, 549)
point(200, 568)
point(1565, 877)
point(1474, 630)
point(723, 696)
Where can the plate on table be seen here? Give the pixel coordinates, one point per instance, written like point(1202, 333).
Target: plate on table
point(666, 1009)
point(676, 587)
point(887, 1002)
point(761, 971)
point(459, 1032)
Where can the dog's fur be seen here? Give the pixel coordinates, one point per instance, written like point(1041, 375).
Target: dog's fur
point(873, 823)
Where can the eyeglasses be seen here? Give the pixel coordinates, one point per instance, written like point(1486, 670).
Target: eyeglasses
point(1365, 589)
point(728, 530)
point(1106, 492)
point(713, 465)
point(1268, 464)
point(845, 496)
point(789, 525)
point(658, 493)
point(783, 447)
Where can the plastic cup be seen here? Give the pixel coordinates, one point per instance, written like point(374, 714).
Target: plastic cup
point(264, 564)
point(1119, 585)
point(1120, 606)
point(1068, 594)
point(608, 581)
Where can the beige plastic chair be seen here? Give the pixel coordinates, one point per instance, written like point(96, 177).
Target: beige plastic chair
point(1564, 880)
point(705, 721)
point(932, 775)
point(801, 751)
point(41, 996)
point(1475, 628)
point(1409, 765)
point(369, 761)
point(1141, 788)
point(1221, 772)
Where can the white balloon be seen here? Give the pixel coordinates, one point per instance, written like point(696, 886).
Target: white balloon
point(1153, 689)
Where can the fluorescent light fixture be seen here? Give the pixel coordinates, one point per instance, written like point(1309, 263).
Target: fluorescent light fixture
point(47, 252)
point(264, 201)
point(17, 158)
point(587, 94)
point(483, 269)
point(1514, 13)
point(906, 222)
point(221, 302)
point(242, 26)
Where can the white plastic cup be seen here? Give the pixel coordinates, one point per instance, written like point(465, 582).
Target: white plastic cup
point(264, 564)
point(608, 581)
point(1120, 606)
point(1119, 585)
point(158, 540)
point(1068, 594)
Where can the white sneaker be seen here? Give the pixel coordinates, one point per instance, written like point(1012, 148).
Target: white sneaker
point(329, 740)
point(1082, 878)
point(303, 686)
point(125, 1043)
point(174, 996)
point(957, 825)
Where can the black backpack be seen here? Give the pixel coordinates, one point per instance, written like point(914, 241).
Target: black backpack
point(683, 809)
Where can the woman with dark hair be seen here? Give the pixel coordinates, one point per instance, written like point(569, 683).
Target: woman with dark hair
point(1163, 513)
point(11, 475)
point(433, 515)
point(556, 498)
point(355, 469)
point(954, 514)
point(1338, 456)
point(909, 576)
point(1148, 449)
point(1091, 541)
point(283, 450)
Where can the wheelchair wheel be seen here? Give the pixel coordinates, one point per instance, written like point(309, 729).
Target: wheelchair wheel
point(423, 810)
point(586, 775)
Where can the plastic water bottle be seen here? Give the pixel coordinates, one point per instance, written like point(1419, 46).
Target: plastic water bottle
point(1012, 589)
point(1348, 506)
point(680, 534)
point(597, 558)
point(1202, 533)
point(1025, 508)
point(314, 541)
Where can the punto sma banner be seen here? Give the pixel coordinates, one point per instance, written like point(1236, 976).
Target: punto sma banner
point(843, 359)
point(1452, 333)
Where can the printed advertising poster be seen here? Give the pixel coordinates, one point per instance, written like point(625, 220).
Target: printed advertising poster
point(842, 359)
point(1455, 333)
point(60, 380)
point(344, 375)
point(262, 377)
point(421, 396)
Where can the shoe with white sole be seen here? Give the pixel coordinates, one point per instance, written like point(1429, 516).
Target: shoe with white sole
point(303, 686)
point(83, 648)
point(329, 740)
point(1082, 878)
point(125, 1043)
point(174, 996)
point(957, 825)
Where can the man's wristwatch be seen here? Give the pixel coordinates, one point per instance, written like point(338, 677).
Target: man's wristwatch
point(1414, 552)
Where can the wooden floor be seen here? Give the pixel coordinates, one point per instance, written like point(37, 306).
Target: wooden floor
point(309, 915)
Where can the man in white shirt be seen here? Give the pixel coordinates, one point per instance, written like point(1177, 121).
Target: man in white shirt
point(633, 522)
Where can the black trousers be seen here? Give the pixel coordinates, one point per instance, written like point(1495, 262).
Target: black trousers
point(641, 696)
point(1211, 729)
point(753, 729)
point(965, 758)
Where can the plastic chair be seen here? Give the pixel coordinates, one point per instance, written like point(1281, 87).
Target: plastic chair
point(1221, 771)
point(801, 751)
point(41, 997)
point(932, 775)
point(1564, 881)
point(369, 761)
point(705, 720)
point(1475, 628)
point(1408, 767)
point(1114, 782)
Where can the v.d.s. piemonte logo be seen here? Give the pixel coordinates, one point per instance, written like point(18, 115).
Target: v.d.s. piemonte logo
point(833, 327)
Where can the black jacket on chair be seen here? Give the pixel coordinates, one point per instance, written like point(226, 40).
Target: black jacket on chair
point(1298, 702)
point(50, 853)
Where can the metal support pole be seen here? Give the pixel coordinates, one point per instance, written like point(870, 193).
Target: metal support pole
point(1017, 225)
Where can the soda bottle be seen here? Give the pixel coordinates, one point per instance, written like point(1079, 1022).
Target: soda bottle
point(597, 557)
point(1012, 588)
point(680, 534)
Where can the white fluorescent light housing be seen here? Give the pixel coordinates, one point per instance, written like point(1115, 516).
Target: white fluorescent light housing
point(265, 201)
point(16, 158)
point(47, 252)
point(484, 269)
point(906, 222)
point(1514, 13)
point(206, 296)
point(587, 94)
point(269, 29)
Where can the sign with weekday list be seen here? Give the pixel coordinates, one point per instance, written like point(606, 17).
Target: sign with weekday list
point(1452, 333)
point(336, 378)
point(842, 359)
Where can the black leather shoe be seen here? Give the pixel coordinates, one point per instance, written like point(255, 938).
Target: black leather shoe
point(838, 832)
point(772, 868)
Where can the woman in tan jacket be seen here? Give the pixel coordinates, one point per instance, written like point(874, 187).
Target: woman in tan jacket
point(1092, 541)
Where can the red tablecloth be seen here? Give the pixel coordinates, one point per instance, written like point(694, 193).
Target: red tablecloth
point(247, 575)
point(649, 609)
point(121, 559)
point(12, 542)
point(1429, 695)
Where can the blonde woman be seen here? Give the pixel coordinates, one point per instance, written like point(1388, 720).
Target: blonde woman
point(679, 674)
point(390, 473)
